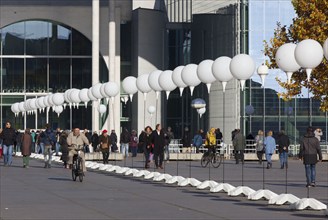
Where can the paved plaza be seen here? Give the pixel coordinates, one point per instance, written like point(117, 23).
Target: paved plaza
point(38, 193)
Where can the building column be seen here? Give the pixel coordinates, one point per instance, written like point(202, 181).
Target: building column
point(95, 60)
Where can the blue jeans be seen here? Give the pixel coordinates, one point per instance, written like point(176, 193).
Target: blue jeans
point(269, 160)
point(310, 173)
point(283, 157)
point(41, 145)
point(57, 148)
point(125, 149)
point(7, 154)
point(167, 152)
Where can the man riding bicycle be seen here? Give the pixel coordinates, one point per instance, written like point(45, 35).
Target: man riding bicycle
point(76, 139)
point(210, 141)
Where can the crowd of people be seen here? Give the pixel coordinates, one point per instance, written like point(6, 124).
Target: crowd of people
point(154, 144)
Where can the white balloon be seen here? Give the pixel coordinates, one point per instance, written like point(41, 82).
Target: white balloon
point(201, 111)
point(221, 70)
point(74, 96)
point(153, 80)
point(21, 107)
point(40, 102)
point(51, 103)
point(166, 82)
point(33, 104)
point(263, 71)
point(27, 105)
point(59, 109)
point(129, 85)
point(325, 48)
point(177, 78)
point(83, 95)
point(204, 73)
point(189, 76)
point(308, 54)
point(95, 90)
point(67, 96)
point(151, 109)
point(58, 98)
point(102, 90)
point(242, 67)
point(142, 84)
point(15, 108)
point(91, 97)
point(45, 101)
point(102, 108)
point(111, 89)
point(285, 59)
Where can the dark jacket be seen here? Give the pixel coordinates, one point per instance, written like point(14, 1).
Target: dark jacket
point(94, 140)
point(239, 141)
point(47, 137)
point(26, 144)
point(159, 141)
point(8, 136)
point(186, 139)
point(125, 137)
point(64, 146)
point(283, 141)
point(102, 140)
point(309, 149)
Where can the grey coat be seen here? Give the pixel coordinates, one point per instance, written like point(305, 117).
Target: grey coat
point(310, 149)
point(239, 141)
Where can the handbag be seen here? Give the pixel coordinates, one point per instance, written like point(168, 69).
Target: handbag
point(104, 145)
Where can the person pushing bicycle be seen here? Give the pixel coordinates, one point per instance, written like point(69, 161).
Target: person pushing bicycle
point(76, 139)
point(210, 141)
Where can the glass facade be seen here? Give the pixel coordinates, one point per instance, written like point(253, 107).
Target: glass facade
point(40, 57)
point(272, 112)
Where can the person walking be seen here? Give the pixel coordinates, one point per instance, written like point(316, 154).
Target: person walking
point(270, 147)
point(309, 152)
point(105, 144)
point(48, 139)
point(198, 141)
point(95, 141)
point(113, 138)
point(158, 140)
point(133, 143)
point(146, 139)
point(58, 133)
point(124, 141)
point(259, 144)
point(169, 135)
point(26, 147)
point(8, 136)
point(238, 145)
point(186, 140)
point(64, 147)
point(283, 144)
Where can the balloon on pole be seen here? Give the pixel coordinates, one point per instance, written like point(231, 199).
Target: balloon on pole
point(263, 71)
point(242, 67)
point(177, 78)
point(189, 76)
point(143, 85)
point(129, 85)
point(204, 73)
point(221, 70)
point(153, 81)
point(166, 82)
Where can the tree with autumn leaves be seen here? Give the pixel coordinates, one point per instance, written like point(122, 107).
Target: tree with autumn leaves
point(311, 23)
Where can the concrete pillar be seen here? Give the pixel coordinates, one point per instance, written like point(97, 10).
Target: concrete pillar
point(95, 59)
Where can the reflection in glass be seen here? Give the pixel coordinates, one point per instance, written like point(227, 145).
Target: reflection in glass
point(36, 37)
point(59, 40)
point(13, 74)
point(36, 74)
point(59, 74)
point(13, 39)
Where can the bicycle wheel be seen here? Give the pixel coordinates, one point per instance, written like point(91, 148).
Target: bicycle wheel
point(216, 160)
point(80, 172)
point(74, 171)
point(204, 160)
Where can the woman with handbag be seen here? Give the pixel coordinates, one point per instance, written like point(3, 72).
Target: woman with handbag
point(26, 147)
point(105, 143)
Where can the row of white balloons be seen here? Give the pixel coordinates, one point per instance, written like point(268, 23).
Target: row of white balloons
point(223, 69)
point(72, 97)
point(307, 54)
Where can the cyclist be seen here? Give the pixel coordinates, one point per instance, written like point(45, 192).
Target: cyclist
point(210, 141)
point(76, 139)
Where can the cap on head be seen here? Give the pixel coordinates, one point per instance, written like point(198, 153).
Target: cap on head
point(104, 131)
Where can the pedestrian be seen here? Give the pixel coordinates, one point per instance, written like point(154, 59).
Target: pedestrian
point(186, 140)
point(113, 138)
point(158, 140)
point(210, 141)
point(238, 145)
point(8, 136)
point(218, 135)
point(133, 143)
point(105, 144)
point(33, 134)
point(18, 143)
point(26, 147)
point(47, 140)
point(64, 147)
point(146, 138)
point(309, 152)
point(87, 134)
point(270, 147)
point(197, 141)
point(58, 133)
point(95, 141)
point(283, 145)
point(318, 133)
point(124, 141)
point(169, 136)
point(259, 144)
point(76, 139)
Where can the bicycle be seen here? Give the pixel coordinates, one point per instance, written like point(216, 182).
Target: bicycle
point(213, 157)
point(77, 170)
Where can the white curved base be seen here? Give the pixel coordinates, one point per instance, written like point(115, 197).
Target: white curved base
point(112, 168)
point(122, 170)
point(206, 184)
point(131, 171)
point(308, 203)
point(162, 177)
point(141, 173)
point(189, 181)
point(283, 199)
point(226, 187)
point(241, 190)
point(152, 175)
point(262, 193)
point(174, 179)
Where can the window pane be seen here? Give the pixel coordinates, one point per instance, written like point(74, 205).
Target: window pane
point(36, 74)
point(80, 44)
point(59, 40)
point(81, 75)
point(59, 74)
point(36, 37)
point(13, 39)
point(13, 74)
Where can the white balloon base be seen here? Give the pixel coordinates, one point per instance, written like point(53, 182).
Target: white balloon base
point(131, 171)
point(283, 199)
point(189, 181)
point(262, 193)
point(174, 179)
point(241, 190)
point(141, 173)
point(226, 187)
point(207, 183)
point(152, 175)
point(308, 203)
point(162, 177)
